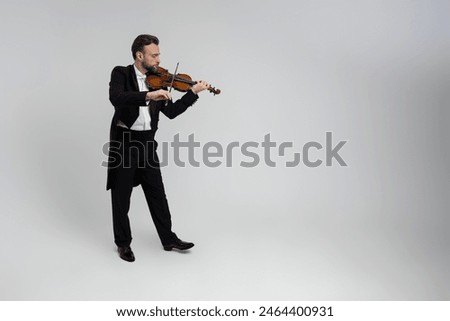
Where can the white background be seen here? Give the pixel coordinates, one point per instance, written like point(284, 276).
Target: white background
point(375, 73)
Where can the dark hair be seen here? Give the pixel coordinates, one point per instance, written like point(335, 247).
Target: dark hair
point(141, 41)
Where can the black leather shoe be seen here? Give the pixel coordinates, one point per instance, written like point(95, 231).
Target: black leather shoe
point(179, 245)
point(126, 253)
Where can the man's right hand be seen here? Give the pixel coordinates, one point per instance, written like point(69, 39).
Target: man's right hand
point(158, 95)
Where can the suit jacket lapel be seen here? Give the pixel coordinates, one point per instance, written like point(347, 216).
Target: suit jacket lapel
point(133, 79)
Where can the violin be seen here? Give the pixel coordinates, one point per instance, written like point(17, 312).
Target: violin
point(162, 78)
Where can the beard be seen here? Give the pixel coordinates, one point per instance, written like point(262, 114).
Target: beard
point(150, 69)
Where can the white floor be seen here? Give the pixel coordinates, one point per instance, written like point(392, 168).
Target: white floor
point(59, 256)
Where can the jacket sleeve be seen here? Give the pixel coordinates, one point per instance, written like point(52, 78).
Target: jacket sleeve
point(173, 109)
point(119, 96)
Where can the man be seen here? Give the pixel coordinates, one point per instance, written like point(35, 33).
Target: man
point(132, 155)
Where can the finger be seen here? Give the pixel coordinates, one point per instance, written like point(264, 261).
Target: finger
point(165, 95)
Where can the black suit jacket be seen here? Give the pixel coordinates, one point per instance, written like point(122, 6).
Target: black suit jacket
point(126, 98)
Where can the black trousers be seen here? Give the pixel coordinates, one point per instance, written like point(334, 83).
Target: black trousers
point(138, 165)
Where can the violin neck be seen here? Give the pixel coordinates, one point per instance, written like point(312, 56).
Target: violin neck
point(185, 81)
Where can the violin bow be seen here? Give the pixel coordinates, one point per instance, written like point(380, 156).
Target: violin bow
point(173, 77)
point(171, 82)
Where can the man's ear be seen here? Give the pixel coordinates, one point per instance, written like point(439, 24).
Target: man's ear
point(139, 55)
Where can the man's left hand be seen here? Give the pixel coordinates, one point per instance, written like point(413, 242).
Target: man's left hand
point(199, 86)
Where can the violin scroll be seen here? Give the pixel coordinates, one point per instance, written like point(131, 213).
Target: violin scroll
point(213, 90)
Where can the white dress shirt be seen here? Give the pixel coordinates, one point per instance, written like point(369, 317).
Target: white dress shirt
point(143, 121)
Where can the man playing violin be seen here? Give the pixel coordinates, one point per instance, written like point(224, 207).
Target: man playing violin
point(132, 158)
